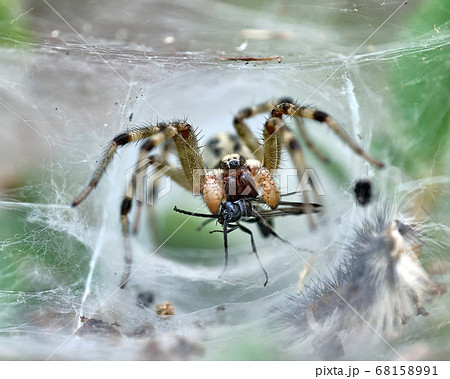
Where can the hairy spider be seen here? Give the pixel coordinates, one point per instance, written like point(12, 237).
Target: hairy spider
point(243, 174)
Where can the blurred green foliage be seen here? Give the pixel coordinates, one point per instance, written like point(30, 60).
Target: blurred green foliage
point(255, 347)
point(13, 25)
point(27, 244)
point(420, 83)
point(199, 245)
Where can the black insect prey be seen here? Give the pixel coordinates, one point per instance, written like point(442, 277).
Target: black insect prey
point(231, 214)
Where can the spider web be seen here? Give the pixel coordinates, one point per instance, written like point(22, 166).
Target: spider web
point(64, 95)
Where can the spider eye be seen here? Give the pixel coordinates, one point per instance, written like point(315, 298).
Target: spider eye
point(234, 163)
point(231, 162)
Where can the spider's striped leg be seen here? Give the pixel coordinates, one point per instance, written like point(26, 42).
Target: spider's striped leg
point(243, 129)
point(190, 157)
point(272, 144)
point(153, 190)
point(154, 135)
point(192, 167)
point(315, 114)
point(207, 183)
point(275, 134)
point(163, 168)
point(132, 188)
point(166, 131)
point(308, 141)
point(271, 162)
point(120, 140)
point(138, 186)
point(295, 151)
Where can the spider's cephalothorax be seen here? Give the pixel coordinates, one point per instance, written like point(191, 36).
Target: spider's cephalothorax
point(239, 178)
point(238, 181)
point(236, 178)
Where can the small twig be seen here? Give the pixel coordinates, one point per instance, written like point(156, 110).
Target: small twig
point(252, 59)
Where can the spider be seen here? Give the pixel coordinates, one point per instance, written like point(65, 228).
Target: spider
point(243, 174)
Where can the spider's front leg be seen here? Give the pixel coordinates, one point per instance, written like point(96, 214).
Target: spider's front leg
point(159, 133)
point(276, 133)
point(152, 191)
point(190, 158)
point(243, 129)
point(164, 168)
